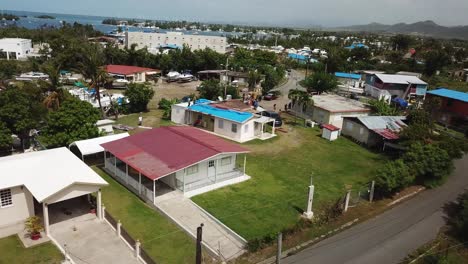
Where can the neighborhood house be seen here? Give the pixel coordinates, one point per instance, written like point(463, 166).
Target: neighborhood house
point(44, 183)
point(165, 159)
point(232, 119)
point(389, 86)
point(130, 73)
point(373, 130)
point(331, 109)
point(454, 106)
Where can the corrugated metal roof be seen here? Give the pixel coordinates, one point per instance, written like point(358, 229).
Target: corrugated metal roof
point(93, 145)
point(162, 151)
point(383, 122)
point(126, 69)
point(228, 114)
point(331, 127)
point(400, 79)
point(386, 133)
point(348, 75)
point(450, 94)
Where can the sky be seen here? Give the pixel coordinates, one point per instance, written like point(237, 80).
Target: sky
point(327, 13)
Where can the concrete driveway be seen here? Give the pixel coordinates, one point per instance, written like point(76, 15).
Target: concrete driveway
point(91, 241)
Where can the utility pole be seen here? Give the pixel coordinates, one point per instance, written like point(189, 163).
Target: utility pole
point(226, 75)
point(198, 258)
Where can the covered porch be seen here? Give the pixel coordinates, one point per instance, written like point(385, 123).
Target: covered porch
point(218, 171)
point(260, 127)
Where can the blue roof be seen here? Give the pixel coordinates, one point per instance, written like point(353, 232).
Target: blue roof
point(239, 117)
point(357, 45)
point(444, 92)
point(347, 75)
point(203, 101)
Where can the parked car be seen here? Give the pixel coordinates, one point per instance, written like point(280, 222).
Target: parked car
point(272, 114)
point(270, 96)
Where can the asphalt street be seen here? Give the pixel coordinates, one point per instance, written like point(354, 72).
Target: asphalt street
point(391, 236)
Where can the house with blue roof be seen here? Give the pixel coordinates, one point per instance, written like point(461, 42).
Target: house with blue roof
point(454, 106)
point(357, 45)
point(231, 119)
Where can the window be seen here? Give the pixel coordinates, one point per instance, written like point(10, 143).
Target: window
point(349, 126)
point(192, 169)
point(246, 128)
point(234, 128)
point(361, 130)
point(226, 161)
point(221, 124)
point(211, 163)
point(5, 198)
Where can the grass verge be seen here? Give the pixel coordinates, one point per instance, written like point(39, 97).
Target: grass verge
point(12, 251)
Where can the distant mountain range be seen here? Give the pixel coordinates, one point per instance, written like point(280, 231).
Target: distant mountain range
point(424, 28)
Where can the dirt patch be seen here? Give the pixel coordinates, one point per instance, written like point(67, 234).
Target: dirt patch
point(171, 90)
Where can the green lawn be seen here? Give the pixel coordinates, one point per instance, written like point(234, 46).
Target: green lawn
point(163, 240)
point(12, 251)
point(281, 169)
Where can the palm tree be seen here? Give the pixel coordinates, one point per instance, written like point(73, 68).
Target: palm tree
point(55, 93)
point(90, 65)
point(302, 98)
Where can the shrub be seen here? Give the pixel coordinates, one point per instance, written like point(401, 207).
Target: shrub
point(139, 95)
point(429, 163)
point(392, 177)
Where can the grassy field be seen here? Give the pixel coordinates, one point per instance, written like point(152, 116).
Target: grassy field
point(162, 240)
point(281, 170)
point(12, 251)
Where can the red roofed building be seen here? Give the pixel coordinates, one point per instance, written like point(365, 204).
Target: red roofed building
point(130, 73)
point(173, 158)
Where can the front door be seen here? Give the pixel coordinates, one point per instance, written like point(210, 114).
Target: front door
point(212, 170)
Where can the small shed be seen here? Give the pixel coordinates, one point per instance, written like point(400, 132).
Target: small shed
point(105, 126)
point(330, 132)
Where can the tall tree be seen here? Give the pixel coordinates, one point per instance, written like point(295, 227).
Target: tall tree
point(210, 90)
point(320, 82)
point(5, 137)
point(74, 120)
point(139, 95)
point(90, 63)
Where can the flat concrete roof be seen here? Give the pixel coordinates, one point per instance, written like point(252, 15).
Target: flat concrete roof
point(338, 104)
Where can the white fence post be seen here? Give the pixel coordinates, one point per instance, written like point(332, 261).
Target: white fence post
point(103, 213)
point(371, 194)
point(348, 195)
point(118, 229)
point(137, 248)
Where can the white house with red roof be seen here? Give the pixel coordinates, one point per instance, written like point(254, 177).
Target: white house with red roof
point(130, 73)
point(180, 158)
point(46, 183)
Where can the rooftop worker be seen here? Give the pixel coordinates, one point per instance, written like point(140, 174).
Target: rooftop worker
point(140, 120)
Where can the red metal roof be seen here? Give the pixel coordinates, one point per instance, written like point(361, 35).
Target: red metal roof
point(331, 127)
point(126, 70)
point(386, 133)
point(162, 151)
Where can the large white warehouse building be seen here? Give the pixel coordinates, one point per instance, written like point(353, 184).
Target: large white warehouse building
point(154, 41)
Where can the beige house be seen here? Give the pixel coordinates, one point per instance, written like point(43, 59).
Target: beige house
point(331, 109)
point(43, 183)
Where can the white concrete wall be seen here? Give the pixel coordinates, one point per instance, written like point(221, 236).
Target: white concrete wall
point(72, 191)
point(226, 129)
point(194, 42)
point(178, 114)
point(19, 48)
point(22, 208)
point(203, 169)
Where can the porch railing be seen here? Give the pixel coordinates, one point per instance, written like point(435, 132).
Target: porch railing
point(129, 181)
point(210, 180)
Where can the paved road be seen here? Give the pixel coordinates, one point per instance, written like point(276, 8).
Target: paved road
point(389, 237)
point(292, 83)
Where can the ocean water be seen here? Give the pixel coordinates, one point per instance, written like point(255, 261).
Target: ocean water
point(28, 20)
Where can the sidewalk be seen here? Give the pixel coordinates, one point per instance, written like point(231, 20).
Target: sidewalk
point(187, 215)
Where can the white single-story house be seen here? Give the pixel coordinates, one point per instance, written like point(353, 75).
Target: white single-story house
point(373, 130)
point(39, 183)
point(179, 158)
point(93, 146)
point(16, 48)
point(130, 73)
point(230, 119)
point(331, 109)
